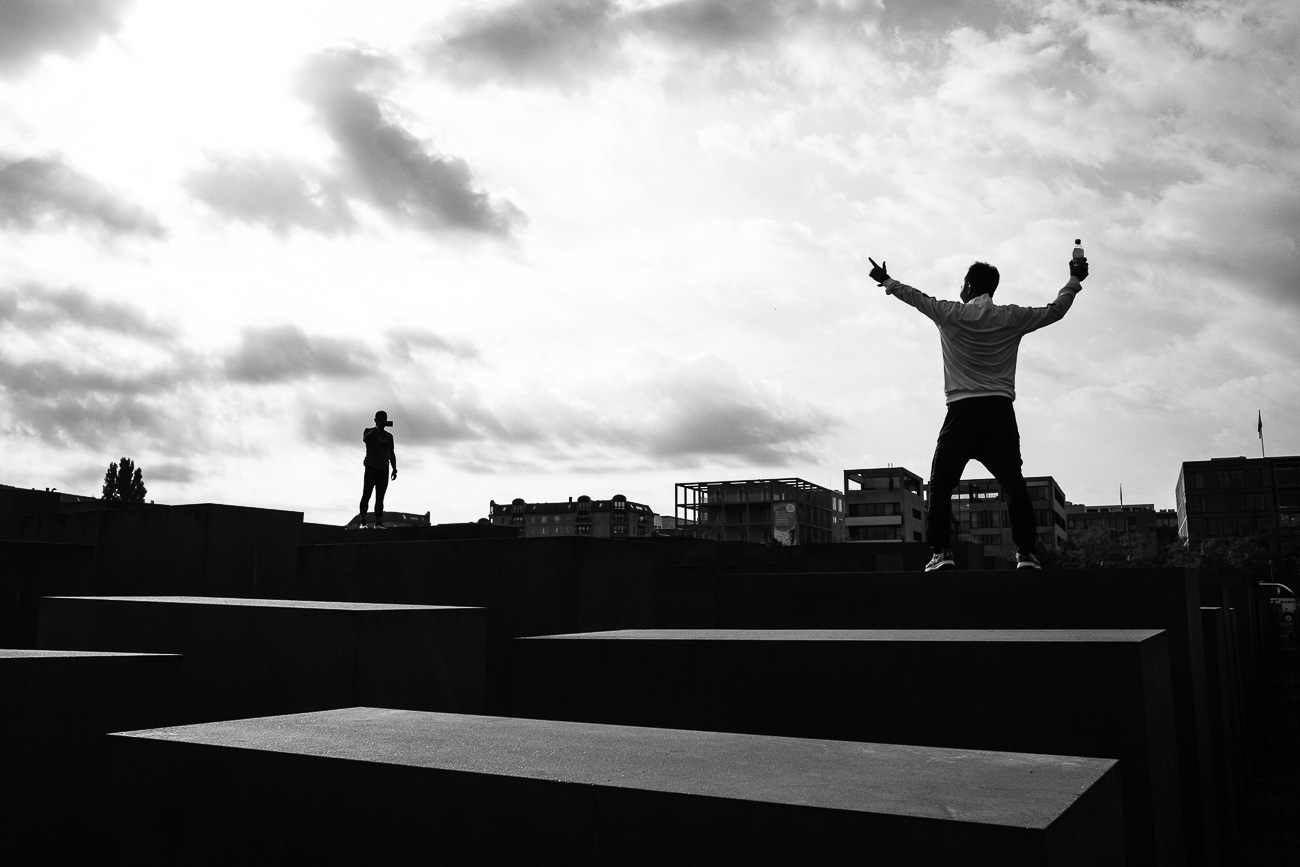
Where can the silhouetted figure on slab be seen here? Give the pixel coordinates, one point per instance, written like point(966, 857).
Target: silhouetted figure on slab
point(379, 454)
point(980, 341)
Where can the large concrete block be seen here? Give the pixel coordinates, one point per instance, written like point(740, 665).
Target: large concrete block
point(249, 657)
point(58, 707)
point(1252, 635)
point(30, 570)
point(383, 786)
point(1069, 692)
point(1165, 599)
point(529, 586)
point(1226, 737)
point(17, 503)
point(205, 549)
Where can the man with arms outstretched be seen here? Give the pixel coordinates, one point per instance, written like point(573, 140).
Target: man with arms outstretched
point(980, 341)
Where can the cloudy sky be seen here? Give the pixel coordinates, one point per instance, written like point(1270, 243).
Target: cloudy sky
point(604, 246)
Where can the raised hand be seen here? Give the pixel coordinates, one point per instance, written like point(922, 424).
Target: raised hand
point(878, 272)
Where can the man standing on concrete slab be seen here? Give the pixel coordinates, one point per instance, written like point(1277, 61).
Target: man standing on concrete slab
point(379, 454)
point(980, 341)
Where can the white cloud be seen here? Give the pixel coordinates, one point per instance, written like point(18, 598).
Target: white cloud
point(689, 300)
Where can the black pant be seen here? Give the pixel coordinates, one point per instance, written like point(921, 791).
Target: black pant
point(982, 429)
point(376, 480)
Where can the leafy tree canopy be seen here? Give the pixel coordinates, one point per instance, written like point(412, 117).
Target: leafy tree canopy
point(124, 483)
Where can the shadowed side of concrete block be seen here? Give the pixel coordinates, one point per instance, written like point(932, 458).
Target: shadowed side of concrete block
point(30, 570)
point(1164, 598)
point(1070, 692)
point(528, 586)
point(1228, 744)
point(248, 657)
point(489, 790)
point(199, 549)
point(58, 708)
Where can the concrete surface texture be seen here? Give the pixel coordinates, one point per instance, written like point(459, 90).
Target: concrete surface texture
point(528, 586)
point(57, 709)
point(924, 805)
point(1070, 692)
point(248, 652)
point(205, 548)
point(253, 657)
point(1166, 599)
point(30, 570)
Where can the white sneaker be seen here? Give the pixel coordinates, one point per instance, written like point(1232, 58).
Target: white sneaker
point(1027, 561)
point(941, 560)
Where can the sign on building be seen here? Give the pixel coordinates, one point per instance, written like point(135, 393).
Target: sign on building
point(785, 524)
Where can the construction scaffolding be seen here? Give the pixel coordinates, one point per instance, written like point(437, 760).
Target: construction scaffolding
point(766, 511)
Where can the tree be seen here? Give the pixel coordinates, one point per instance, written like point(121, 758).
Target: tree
point(124, 483)
point(1114, 549)
point(1244, 556)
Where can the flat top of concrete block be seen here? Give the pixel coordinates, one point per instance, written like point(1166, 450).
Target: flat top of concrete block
point(1014, 789)
point(1108, 636)
point(263, 603)
point(66, 654)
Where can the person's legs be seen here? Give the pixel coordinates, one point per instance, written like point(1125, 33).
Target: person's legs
point(381, 487)
point(1000, 455)
point(951, 454)
point(366, 487)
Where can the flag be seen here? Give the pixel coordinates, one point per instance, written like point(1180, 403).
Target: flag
point(1260, 428)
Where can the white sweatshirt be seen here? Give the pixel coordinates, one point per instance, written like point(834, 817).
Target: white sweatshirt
point(980, 339)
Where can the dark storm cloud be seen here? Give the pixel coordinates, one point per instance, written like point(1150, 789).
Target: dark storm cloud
point(59, 378)
point(272, 192)
point(388, 166)
point(36, 192)
point(553, 39)
point(79, 402)
point(405, 342)
point(33, 308)
point(32, 28)
point(90, 397)
point(86, 420)
point(439, 419)
point(723, 22)
point(708, 419)
point(172, 471)
point(285, 353)
point(564, 41)
point(937, 17)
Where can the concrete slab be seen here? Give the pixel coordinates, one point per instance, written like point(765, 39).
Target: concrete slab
point(1165, 599)
point(529, 586)
point(388, 785)
point(250, 657)
point(58, 708)
point(30, 570)
point(1228, 746)
point(202, 549)
point(1071, 692)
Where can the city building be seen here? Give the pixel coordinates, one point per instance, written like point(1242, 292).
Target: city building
point(1151, 530)
point(1227, 498)
point(884, 504)
point(767, 511)
point(615, 518)
point(980, 514)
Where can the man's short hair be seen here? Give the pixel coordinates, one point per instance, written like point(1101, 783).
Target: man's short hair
point(983, 278)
